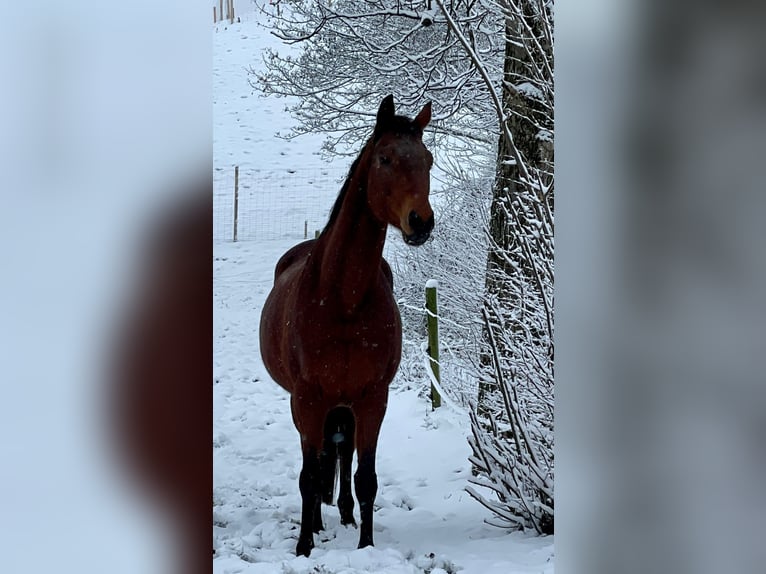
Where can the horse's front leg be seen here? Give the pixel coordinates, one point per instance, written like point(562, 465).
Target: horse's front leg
point(309, 425)
point(365, 478)
point(309, 487)
point(366, 483)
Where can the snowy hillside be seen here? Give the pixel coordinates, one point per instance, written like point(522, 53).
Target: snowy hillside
point(424, 520)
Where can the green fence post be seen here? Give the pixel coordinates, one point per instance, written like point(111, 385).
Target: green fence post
point(433, 339)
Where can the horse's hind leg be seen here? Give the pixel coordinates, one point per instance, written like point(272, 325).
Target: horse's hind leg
point(345, 456)
point(369, 419)
point(328, 459)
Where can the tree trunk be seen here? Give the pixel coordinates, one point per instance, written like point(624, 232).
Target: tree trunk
point(527, 116)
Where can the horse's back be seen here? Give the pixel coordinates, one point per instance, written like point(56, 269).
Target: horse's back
point(294, 255)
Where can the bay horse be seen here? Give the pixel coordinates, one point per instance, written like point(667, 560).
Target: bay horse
point(330, 331)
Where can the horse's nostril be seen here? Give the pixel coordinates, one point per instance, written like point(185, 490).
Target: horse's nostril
point(419, 225)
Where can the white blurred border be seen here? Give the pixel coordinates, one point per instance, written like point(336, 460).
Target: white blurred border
point(106, 111)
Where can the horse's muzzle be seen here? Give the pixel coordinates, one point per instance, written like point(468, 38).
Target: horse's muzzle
point(421, 230)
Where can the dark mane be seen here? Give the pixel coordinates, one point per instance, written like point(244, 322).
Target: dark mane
point(343, 190)
point(399, 125)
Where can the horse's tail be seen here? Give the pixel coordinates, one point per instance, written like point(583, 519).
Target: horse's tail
point(338, 430)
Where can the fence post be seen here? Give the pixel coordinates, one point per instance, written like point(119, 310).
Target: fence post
point(306, 229)
point(220, 9)
point(231, 11)
point(215, 18)
point(236, 199)
point(433, 339)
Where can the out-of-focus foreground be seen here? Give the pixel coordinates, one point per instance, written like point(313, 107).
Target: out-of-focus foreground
point(106, 287)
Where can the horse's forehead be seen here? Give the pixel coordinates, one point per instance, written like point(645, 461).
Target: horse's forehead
point(403, 143)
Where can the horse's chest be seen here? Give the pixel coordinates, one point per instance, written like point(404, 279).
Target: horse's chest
point(347, 354)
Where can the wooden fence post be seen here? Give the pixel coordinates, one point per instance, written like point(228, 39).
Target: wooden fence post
point(215, 17)
point(433, 339)
point(236, 199)
point(231, 11)
point(220, 9)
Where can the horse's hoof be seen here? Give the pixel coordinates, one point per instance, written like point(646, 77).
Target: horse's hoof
point(365, 543)
point(304, 548)
point(348, 522)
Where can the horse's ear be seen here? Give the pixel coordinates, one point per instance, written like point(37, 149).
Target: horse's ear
point(424, 116)
point(386, 110)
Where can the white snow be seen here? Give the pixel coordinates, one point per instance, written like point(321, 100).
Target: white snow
point(425, 522)
point(530, 91)
point(432, 284)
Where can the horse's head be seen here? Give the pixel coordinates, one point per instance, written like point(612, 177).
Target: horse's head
point(399, 175)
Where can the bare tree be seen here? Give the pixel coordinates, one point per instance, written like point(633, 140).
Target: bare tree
point(517, 462)
point(355, 51)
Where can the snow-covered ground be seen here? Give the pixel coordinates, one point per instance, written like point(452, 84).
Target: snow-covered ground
point(424, 520)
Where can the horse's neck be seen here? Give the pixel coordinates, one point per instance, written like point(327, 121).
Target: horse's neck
point(352, 247)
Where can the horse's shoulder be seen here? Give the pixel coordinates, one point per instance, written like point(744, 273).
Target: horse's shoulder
point(296, 253)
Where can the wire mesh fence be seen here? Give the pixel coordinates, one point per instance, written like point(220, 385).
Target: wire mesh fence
point(273, 204)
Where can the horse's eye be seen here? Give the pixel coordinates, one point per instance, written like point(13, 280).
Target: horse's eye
point(384, 160)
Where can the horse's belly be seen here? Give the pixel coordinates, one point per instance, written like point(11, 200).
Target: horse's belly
point(274, 343)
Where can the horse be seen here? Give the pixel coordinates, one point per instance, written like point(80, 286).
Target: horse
point(330, 330)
